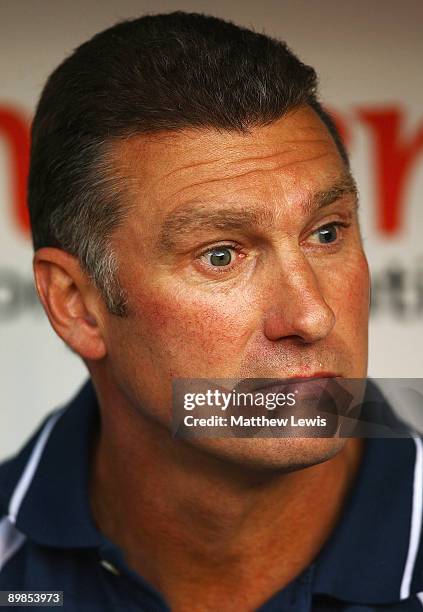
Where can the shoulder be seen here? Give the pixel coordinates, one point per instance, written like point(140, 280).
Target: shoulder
point(11, 469)
point(15, 477)
point(26, 479)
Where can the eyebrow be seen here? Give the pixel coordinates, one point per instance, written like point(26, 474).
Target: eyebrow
point(183, 222)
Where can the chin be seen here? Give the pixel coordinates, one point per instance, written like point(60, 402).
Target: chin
point(273, 454)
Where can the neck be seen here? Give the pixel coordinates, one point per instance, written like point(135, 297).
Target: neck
point(188, 521)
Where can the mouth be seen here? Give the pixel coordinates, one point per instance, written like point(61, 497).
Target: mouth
point(272, 384)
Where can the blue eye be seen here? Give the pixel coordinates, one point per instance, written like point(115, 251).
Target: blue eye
point(220, 256)
point(327, 233)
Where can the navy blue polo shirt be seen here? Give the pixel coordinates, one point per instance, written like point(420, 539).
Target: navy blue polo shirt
point(372, 561)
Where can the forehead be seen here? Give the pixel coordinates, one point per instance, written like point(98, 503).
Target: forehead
point(289, 158)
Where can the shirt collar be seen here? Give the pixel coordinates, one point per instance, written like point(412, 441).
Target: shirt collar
point(363, 560)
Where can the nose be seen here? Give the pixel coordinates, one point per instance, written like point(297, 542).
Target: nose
point(297, 307)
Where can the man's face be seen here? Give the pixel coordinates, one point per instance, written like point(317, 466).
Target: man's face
point(241, 258)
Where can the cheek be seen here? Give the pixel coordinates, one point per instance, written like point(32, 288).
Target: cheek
point(357, 294)
point(347, 288)
point(197, 333)
point(349, 299)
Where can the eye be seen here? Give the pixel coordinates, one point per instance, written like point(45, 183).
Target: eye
point(219, 256)
point(328, 233)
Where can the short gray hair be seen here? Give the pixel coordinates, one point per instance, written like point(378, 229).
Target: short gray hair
point(83, 225)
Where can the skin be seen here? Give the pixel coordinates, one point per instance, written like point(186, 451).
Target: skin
point(219, 523)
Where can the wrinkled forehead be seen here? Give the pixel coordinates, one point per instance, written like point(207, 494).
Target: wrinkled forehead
point(166, 170)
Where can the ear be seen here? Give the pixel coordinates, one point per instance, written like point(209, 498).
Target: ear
point(71, 302)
